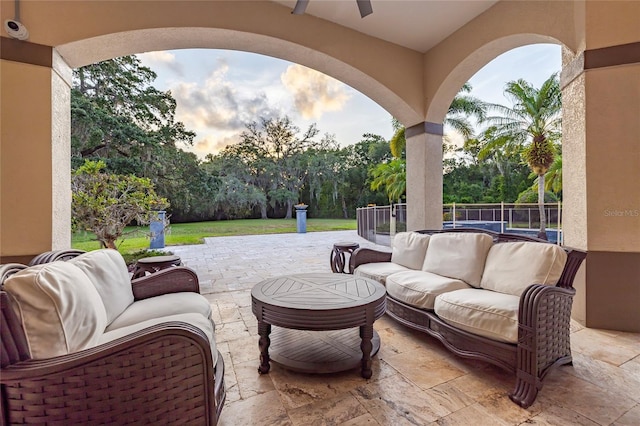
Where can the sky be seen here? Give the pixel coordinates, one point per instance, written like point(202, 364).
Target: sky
point(219, 91)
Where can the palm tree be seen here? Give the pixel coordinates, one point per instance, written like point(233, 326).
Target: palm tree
point(398, 142)
point(462, 107)
point(553, 177)
point(391, 176)
point(533, 123)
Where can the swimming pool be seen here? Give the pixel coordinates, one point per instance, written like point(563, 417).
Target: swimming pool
point(497, 226)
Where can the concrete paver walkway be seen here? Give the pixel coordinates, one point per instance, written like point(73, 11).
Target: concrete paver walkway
point(237, 263)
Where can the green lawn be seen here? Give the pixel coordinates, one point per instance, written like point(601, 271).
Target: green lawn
point(136, 238)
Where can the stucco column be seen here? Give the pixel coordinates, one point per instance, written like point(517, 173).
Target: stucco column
point(601, 168)
point(35, 193)
point(424, 176)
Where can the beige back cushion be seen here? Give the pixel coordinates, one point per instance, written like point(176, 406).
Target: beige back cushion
point(109, 275)
point(512, 267)
point(409, 249)
point(61, 312)
point(458, 255)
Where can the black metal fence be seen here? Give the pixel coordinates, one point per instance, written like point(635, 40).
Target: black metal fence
point(378, 223)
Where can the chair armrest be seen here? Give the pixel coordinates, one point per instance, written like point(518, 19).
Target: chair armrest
point(366, 255)
point(53, 255)
point(175, 279)
point(544, 320)
point(160, 374)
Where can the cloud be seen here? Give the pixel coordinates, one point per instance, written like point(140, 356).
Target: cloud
point(314, 93)
point(219, 104)
point(212, 144)
point(164, 59)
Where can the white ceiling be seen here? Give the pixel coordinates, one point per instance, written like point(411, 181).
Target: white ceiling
point(416, 24)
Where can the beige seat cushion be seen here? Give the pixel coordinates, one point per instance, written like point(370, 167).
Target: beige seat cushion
point(162, 306)
point(61, 311)
point(419, 288)
point(458, 255)
point(378, 271)
point(108, 272)
point(409, 249)
point(483, 312)
point(512, 267)
point(194, 319)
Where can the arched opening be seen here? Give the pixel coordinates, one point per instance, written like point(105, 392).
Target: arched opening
point(467, 68)
point(215, 100)
point(95, 49)
point(425, 162)
point(600, 60)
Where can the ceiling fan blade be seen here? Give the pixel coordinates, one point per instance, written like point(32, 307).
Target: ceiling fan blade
point(300, 7)
point(365, 7)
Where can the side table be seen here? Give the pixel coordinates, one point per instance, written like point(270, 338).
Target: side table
point(155, 264)
point(338, 259)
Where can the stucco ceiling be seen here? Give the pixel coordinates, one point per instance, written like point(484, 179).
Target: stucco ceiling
point(416, 24)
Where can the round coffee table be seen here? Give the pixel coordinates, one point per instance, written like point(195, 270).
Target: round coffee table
point(326, 319)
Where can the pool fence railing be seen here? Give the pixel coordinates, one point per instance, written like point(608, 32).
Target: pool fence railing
point(379, 224)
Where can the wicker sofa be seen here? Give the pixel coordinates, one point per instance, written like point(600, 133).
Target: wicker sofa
point(83, 344)
point(501, 298)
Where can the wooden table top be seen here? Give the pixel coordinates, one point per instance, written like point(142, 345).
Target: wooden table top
point(318, 292)
point(159, 259)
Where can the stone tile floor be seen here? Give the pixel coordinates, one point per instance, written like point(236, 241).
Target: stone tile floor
point(416, 381)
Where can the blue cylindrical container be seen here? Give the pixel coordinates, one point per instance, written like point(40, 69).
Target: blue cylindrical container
point(156, 227)
point(301, 218)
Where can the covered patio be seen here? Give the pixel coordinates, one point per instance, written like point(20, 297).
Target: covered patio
point(410, 57)
point(415, 379)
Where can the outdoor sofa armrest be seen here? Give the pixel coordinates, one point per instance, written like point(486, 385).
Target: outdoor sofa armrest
point(544, 319)
point(171, 280)
point(162, 374)
point(175, 279)
point(365, 255)
point(53, 255)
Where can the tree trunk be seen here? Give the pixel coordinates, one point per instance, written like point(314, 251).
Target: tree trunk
point(289, 209)
point(542, 233)
point(345, 212)
point(263, 211)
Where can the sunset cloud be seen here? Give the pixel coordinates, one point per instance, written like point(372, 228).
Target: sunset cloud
point(212, 144)
point(314, 93)
point(164, 59)
point(220, 104)
point(219, 92)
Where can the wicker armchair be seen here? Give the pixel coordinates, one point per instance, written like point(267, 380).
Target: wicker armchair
point(161, 374)
point(544, 317)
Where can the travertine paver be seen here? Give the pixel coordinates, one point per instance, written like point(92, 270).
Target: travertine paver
point(415, 381)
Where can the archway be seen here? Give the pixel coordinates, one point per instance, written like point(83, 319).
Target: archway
point(424, 141)
point(601, 80)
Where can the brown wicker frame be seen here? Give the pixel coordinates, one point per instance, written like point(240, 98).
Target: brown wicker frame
point(543, 323)
point(163, 374)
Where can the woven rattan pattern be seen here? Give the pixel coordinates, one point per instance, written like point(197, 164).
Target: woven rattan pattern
point(117, 390)
point(543, 323)
point(163, 374)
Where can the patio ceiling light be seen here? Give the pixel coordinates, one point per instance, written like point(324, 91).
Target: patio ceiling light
point(363, 5)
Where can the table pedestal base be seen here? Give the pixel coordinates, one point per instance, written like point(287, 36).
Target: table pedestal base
point(318, 351)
